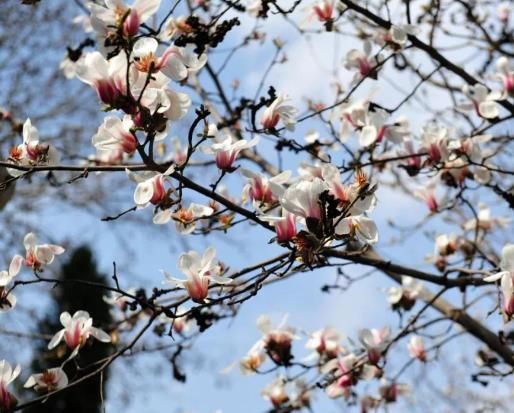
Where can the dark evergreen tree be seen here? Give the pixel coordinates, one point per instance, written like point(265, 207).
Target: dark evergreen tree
point(72, 296)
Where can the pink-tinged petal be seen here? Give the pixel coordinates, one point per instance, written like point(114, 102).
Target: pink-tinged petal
point(174, 68)
point(15, 266)
point(100, 335)
point(65, 318)
point(162, 217)
point(507, 261)
point(29, 241)
point(144, 193)
point(56, 339)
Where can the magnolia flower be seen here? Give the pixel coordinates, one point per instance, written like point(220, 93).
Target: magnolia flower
point(108, 77)
point(119, 300)
point(7, 376)
point(446, 244)
point(117, 15)
point(396, 36)
point(115, 134)
point(250, 363)
point(302, 198)
point(435, 142)
point(321, 10)
point(175, 63)
point(174, 27)
point(285, 226)
point(264, 191)
point(506, 275)
point(406, 295)
point(7, 298)
point(375, 341)
point(227, 150)
point(375, 128)
point(505, 73)
point(277, 340)
point(483, 102)
point(157, 98)
point(14, 268)
point(48, 381)
point(352, 116)
point(185, 219)
point(416, 348)
point(69, 66)
point(325, 342)
point(76, 331)
point(37, 256)
point(200, 271)
point(348, 194)
point(485, 221)
point(31, 151)
point(348, 371)
point(150, 187)
point(365, 64)
point(279, 111)
point(276, 392)
point(428, 194)
point(359, 226)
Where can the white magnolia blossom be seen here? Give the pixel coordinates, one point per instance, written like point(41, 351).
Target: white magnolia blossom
point(279, 110)
point(108, 77)
point(348, 370)
point(482, 101)
point(176, 62)
point(31, 152)
point(150, 186)
point(352, 117)
point(48, 381)
point(397, 35)
point(264, 191)
point(486, 221)
point(302, 198)
point(38, 255)
point(416, 347)
point(321, 10)
point(375, 341)
point(7, 376)
point(285, 225)
point(7, 298)
point(69, 67)
point(185, 219)
point(115, 14)
point(14, 268)
point(506, 277)
point(226, 149)
point(115, 134)
point(200, 270)
point(375, 129)
point(406, 294)
point(434, 141)
point(174, 27)
point(255, 357)
point(359, 226)
point(505, 74)
point(325, 342)
point(77, 329)
point(276, 392)
point(347, 194)
point(363, 62)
